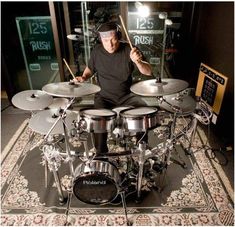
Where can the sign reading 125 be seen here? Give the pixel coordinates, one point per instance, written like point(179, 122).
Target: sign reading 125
point(144, 23)
point(37, 28)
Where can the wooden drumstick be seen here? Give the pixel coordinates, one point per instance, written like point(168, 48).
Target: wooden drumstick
point(127, 36)
point(69, 69)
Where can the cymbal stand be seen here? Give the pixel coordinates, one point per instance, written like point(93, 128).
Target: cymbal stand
point(70, 195)
point(32, 134)
point(62, 117)
point(142, 148)
point(177, 111)
point(53, 158)
point(165, 148)
point(122, 193)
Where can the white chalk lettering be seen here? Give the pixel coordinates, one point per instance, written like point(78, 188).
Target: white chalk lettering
point(40, 45)
point(139, 39)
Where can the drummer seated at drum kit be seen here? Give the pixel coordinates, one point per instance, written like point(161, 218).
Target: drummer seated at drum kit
point(114, 61)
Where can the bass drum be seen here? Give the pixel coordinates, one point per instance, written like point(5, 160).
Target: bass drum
point(96, 182)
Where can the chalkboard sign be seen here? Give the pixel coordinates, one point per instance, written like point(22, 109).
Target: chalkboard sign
point(38, 49)
point(147, 34)
point(147, 25)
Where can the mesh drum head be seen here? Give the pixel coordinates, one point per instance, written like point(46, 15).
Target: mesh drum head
point(140, 111)
point(99, 112)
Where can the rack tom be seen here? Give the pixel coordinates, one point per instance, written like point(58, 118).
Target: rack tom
point(140, 119)
point(98, 120)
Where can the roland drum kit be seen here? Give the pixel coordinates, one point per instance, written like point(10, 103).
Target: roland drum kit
point(97, 179)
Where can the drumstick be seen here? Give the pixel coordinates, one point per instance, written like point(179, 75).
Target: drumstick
point(69, 69)
point(127, 36)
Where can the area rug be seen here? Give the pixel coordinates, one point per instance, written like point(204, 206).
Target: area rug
point(195, 195)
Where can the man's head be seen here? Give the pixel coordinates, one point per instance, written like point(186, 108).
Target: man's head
point(109, 35)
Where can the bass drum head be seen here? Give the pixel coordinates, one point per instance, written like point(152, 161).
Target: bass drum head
point(94, 186)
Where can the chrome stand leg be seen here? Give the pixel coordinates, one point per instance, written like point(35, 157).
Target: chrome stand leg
point(139, 183)
point(188, 150)
point(181, 162)
point(122, 193)
point(142, 148)
point(70, 195)
point(62, 199)
point(68, 150)
point(46, 173)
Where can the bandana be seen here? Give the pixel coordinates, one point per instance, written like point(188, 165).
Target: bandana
point(107, 33)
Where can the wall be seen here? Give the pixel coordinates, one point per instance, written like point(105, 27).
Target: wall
point(214, 46)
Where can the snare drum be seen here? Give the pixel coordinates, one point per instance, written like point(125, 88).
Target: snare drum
point(98, 120)
point(139, 119)
point(96, 182)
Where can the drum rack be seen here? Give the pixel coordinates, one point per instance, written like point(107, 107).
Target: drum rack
point(161, 155)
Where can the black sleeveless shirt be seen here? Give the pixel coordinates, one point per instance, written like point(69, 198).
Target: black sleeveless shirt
point(114, 71)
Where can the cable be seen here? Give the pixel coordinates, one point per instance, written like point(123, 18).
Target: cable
point(214, 155)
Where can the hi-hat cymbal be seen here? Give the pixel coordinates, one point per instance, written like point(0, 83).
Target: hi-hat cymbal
point(153, 88)
point(183, 104)
point(68, 90)
point(42, 121)
point(32, 100)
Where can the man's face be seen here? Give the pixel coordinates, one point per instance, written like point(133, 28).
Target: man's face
point(110, 43)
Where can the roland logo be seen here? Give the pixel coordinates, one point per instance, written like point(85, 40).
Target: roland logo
point(93, 182)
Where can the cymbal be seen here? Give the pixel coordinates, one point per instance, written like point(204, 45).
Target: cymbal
point(165, 87)
point(58, 103)
point(75, 37)
point(32, 100)
point(183, 104)
point(42, 121)
point(68, 90)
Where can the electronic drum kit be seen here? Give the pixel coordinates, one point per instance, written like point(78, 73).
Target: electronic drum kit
point(96, 180)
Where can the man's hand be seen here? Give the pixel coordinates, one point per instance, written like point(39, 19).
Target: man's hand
point(135, 55)
point(79, 79)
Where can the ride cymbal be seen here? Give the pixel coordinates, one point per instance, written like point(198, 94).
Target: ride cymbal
point(70, 90)
point(153, 88)
point(32, 100)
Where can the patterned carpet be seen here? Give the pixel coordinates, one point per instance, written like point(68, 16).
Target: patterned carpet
point(196, 195)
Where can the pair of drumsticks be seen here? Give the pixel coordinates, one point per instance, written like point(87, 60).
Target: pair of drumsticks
point(128, 39)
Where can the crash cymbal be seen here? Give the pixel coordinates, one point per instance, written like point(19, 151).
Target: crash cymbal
point(32, 100)
point(70, 90)
point(58, 103)
point(182, 104)
point(153, 88)
point(42, 121)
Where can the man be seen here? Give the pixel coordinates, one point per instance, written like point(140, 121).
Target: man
point(114, 62)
